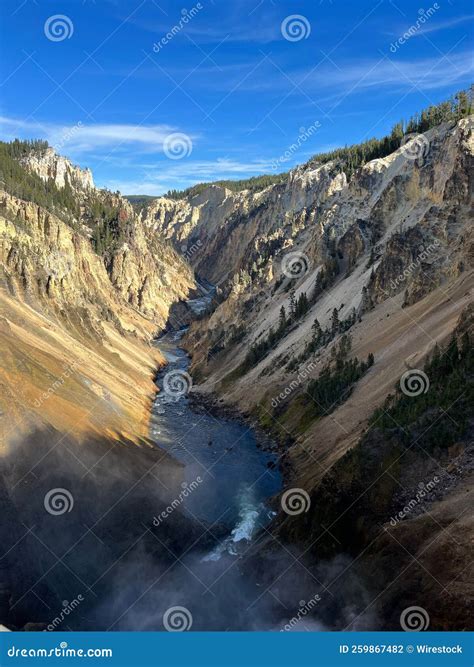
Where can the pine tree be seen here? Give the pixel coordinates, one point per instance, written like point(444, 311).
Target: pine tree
point(282, 321)
point(316, 329)
point(292, 305)
point(301, 306)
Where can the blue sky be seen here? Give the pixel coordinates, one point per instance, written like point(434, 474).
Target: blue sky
point(230, 90)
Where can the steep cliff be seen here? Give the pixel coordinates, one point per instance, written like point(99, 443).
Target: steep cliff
point(141, 265)
point(397, 232)
point(331, 288)
point(224, 232)
point(84, 289)
point(51, 166)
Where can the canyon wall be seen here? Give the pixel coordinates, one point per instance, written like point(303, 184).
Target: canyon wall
point(76, 325)
point(380, 264)
point(80, 481)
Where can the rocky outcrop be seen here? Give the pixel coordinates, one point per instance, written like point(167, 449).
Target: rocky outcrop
point(73, 321)
point(149, 275)
point(141, 265)
point(398, 229)
point(222, 232)
point(64, 326)
point(50, 165)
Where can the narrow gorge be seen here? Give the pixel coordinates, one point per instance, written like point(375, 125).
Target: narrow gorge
point(240, 400)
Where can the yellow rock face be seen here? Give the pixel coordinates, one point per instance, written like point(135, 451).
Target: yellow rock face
point(75, 347)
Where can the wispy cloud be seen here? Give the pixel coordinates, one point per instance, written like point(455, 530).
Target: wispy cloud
point(436, 27)
point(82, 138)
point(384, 72)
point(234, 24)
point(166, 175)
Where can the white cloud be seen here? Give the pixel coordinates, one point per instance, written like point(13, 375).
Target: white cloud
point(436, 27)
point(167, 175)
point(233, 25)
point(391, 71)
point(80, 137)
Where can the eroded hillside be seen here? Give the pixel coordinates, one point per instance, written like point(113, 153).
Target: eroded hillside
point(333, 288)
point(333, 284)
point(84, 289)
point(385, 258)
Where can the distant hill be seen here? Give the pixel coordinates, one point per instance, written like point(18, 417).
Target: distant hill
point(137, 201)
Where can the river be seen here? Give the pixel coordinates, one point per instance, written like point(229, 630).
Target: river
point(230, 478)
